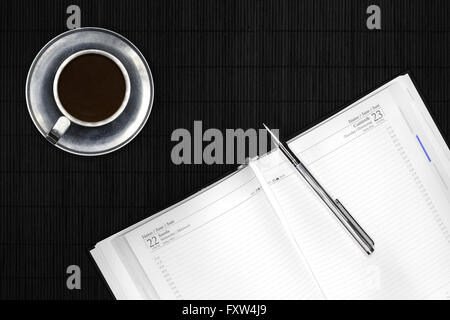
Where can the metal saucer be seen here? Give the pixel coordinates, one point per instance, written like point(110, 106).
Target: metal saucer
point(81, 140)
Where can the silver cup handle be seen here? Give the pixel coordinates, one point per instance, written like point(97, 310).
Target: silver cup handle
point(59, 128)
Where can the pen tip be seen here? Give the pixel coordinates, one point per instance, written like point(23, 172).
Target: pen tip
point(274, 137)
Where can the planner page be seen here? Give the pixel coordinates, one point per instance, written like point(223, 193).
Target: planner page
point(226, 243)
point(375, 160)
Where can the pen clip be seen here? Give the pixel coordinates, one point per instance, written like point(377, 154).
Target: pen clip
point(354, 224)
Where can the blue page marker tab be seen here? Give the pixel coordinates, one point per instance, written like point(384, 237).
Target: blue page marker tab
point(423, 148)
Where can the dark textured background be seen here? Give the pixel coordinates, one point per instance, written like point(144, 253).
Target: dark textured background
point(231, 64)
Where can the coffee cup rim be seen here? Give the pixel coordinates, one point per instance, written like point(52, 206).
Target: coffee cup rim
point(118, 111)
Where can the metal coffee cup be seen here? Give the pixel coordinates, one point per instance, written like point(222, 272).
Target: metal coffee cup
point(63, 129)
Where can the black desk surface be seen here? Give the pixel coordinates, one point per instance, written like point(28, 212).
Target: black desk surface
point(231, 64)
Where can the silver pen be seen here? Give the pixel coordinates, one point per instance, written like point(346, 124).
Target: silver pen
point(335, 206)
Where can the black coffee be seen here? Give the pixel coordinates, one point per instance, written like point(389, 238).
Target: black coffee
point(91, 87)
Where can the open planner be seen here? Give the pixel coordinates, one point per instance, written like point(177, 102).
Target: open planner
point(262, 233)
